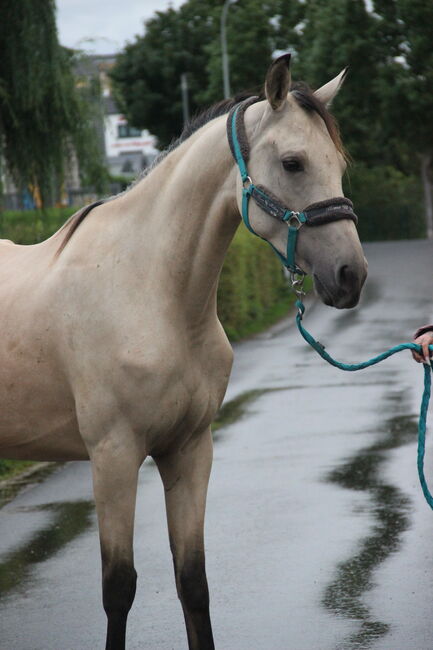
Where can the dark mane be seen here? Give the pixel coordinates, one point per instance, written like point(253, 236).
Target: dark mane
point(300, 91)
point(216, 110)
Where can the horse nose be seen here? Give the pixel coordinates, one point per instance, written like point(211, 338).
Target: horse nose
point(350, 278)
point(347, 279)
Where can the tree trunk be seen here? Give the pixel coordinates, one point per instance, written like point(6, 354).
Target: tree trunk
point(426, 176)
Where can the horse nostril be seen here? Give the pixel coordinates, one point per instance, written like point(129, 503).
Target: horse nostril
point(346, 277)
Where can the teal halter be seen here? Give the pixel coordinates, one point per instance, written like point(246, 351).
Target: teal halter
point(314, 215)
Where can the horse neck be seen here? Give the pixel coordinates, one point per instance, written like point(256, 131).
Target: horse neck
point(185, 217)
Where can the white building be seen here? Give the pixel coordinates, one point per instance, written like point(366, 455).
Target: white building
point(128, 150)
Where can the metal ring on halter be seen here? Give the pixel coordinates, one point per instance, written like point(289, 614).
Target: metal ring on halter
point(248, 180)
point(294, 220)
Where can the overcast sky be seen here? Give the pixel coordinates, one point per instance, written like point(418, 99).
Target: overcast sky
point(104, 26)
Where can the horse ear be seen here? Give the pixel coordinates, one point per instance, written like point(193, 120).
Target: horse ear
point(327, 92)
point(277, 83)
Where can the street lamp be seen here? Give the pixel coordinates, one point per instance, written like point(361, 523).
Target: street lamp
point(225, 58)
point(185, 102)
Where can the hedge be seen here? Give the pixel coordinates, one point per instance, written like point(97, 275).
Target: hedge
point(389, 204)
point(253, 290)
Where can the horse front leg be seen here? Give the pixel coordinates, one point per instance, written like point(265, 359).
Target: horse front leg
point(115, 475)
point(185, 474)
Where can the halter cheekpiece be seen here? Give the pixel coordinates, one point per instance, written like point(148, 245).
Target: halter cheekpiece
point(315, 214)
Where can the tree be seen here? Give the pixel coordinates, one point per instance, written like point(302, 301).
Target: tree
point(255, 30)
point(336, 34)
point(407, 84)
point(41, 113)
point(382, 111)
point(146, 77)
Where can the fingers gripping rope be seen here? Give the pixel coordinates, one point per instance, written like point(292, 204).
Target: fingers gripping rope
point(422, 422)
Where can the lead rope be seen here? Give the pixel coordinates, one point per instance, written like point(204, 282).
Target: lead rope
point(320, 349)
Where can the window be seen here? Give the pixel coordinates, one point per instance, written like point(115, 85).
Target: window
point(126, 131)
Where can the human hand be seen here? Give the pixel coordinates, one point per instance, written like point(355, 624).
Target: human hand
point(424, 340)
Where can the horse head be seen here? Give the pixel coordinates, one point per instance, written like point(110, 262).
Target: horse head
point(294, 151)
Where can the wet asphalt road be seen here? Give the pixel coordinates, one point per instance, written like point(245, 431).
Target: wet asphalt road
point(318, 537)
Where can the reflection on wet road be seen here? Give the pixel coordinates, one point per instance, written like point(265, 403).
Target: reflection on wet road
point(318, 537)
point(391, 508)
point(69, 520)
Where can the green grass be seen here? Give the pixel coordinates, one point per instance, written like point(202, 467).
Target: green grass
point(31, 226)
point(11, 468)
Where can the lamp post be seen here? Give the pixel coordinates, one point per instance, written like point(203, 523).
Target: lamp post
point(225, 58)
point(185, 102)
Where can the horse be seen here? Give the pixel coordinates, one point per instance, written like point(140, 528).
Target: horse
point(111, 347)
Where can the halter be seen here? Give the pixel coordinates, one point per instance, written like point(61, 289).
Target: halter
point(315, 214)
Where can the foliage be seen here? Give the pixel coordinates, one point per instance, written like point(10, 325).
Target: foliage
point(30, 226)
point(147, 74)
point(407, 77)
point(407, 89)
point(146, 78)
point(383, 109)
point(88, 140)
point(10, 468)
point(253, 291)
point(42, 115)
point(253, 33)
point(336, 34)
point(387, 202)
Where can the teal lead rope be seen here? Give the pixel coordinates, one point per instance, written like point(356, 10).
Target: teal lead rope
point(320, 349)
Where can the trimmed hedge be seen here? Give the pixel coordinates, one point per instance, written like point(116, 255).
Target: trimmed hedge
point(253, 290)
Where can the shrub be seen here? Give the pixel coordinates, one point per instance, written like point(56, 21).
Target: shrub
point(389, 204)
point(253, 290)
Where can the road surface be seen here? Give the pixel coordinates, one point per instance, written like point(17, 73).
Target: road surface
point(317, 533)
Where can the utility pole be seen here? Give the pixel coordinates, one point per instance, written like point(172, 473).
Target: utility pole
point(225, 58)
point(185, 102)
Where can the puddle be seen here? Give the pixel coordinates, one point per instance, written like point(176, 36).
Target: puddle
point(69, 520)
point(390, 507)
point(233, 410)
point(236, 408)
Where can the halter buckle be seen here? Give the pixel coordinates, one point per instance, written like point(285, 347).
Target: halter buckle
point(294, 220)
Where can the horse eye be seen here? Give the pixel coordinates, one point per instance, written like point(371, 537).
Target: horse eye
point(292, 165)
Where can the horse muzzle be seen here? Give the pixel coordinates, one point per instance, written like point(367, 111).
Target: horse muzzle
point(342, 287)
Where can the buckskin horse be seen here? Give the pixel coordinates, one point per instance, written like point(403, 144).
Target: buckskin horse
point(111, 348)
